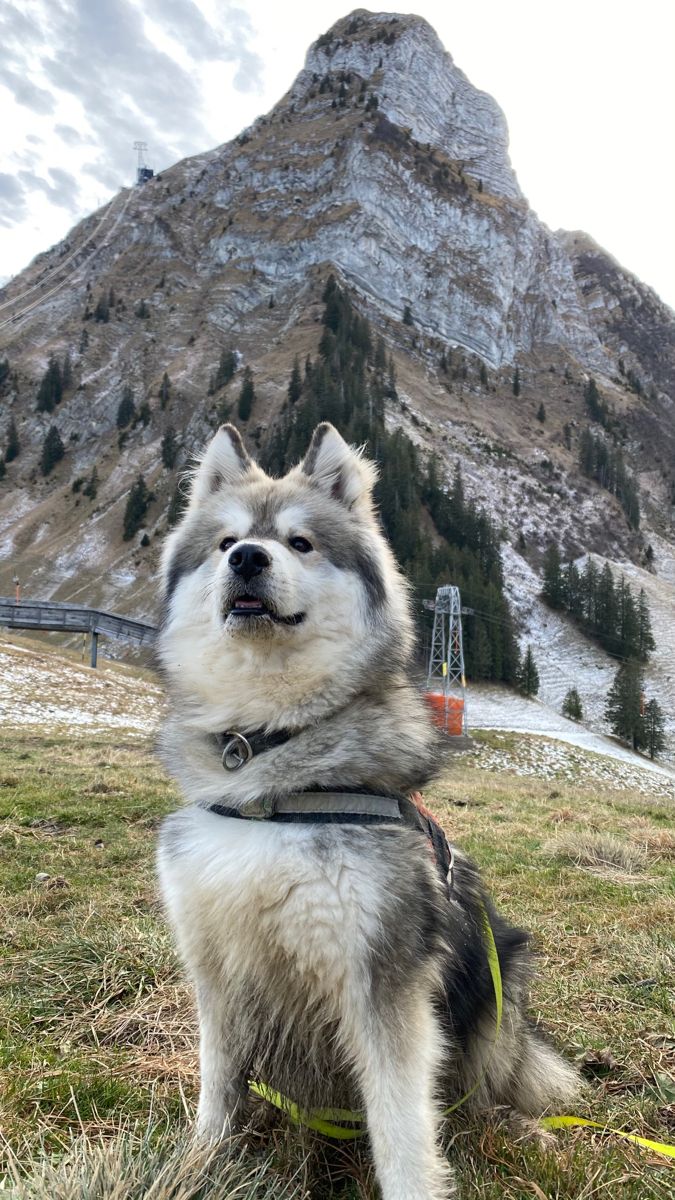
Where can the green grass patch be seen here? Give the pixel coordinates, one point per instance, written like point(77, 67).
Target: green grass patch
point(97, 1030)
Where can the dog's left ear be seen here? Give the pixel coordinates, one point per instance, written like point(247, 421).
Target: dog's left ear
point(338, 469)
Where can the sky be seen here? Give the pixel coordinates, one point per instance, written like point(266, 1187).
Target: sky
point(588, 90)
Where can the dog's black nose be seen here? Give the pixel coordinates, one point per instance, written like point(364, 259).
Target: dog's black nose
point(249, 560)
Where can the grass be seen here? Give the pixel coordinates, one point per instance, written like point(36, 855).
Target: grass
point(98, 1042)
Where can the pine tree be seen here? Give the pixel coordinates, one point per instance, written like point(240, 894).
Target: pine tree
point(654, 739)
point(623, 710)
point(164, 391)
point(102, 310)
point(137, 505)
point(587, 453)
point(627, 621)
point(53, 450)
point(598, 408)
point(589, 587)
point(50, 390)
point(645, 637)
point(541, 413)
point(126, 410)
point(602, 461)
point(224, 372)
point(380, 362)
point(572, 590)
point(407, 315)
point(246, 396)
point(553, 589)
point(4, 371)
point(572, 706)
point(169, 448)
point(295, 382)
point(3, 468)
point(516, 382)
point(13, 448)
point(606, 610)
point(91, 486)
point(528, 675)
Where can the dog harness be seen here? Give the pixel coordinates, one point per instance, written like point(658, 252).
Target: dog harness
point(334, 806)
point(362, 807)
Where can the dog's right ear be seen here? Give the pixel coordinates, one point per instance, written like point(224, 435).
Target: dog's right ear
point(223, 463)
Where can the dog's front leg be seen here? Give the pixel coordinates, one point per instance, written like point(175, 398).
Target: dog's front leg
point(396, 1055)
point(222, 1083)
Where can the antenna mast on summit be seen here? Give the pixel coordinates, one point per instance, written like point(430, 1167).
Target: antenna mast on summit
point(143, 171)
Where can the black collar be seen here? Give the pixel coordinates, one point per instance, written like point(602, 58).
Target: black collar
point(238, 748)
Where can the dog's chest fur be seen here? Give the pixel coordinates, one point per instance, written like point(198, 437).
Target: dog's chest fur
point(256, 891)
point(287, 923)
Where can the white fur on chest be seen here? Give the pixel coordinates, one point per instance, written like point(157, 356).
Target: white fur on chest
point(248, 892)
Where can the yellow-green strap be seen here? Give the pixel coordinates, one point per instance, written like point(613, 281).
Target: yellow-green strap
point(566, 1122)
point(326, 1120)
point(321, 1120)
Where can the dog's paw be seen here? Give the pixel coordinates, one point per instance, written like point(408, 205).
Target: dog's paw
point(214, 1129)
point(527, 1130)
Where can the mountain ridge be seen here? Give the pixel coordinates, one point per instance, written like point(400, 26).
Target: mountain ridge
point(383, 165)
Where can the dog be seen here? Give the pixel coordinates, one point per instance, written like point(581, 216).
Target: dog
point(330, 956)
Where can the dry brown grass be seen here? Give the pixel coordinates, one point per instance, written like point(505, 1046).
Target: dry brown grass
point(99, 1043)
point(598, 852)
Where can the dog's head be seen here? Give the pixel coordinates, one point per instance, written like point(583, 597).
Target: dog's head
point(280, 594)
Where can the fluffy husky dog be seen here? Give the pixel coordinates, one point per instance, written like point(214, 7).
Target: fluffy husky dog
point(330, 959)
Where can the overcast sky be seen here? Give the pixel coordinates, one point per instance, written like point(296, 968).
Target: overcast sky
point(588, 89)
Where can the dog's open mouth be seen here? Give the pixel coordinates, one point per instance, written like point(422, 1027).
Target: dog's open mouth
point(252, 606)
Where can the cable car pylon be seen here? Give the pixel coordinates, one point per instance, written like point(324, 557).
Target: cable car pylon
point(446, 678)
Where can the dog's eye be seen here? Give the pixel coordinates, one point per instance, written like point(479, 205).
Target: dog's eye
point(300, 544)
point(227, 543)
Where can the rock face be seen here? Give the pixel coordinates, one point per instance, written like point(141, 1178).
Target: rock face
point(385, 165)
point(421, 90)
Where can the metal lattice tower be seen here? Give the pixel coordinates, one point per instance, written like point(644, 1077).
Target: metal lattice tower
point(141, 148)
point(446, 661)
point(143, 171)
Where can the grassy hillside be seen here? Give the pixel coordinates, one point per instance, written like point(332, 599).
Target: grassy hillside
point(98, 1045)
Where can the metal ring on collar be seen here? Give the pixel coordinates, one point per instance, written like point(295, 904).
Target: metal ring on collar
point(236, 752)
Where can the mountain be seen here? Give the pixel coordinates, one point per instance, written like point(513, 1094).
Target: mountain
point(384, 166)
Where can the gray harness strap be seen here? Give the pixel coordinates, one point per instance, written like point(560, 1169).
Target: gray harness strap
point(317, 808)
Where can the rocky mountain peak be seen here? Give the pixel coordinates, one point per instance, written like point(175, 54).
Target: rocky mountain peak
point(384, 166)
point(419, 88)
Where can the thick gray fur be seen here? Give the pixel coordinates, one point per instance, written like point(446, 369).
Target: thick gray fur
point(327, 960)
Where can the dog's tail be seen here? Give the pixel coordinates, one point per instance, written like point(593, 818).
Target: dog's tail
point(541, 1080)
